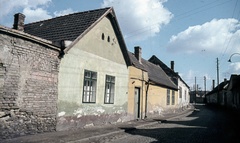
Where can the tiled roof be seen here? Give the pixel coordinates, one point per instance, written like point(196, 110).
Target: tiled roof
point(155, 73)
point(220, 87)
point(135, 62)
point(67, 27)
point(234, 82)
point(167, 70)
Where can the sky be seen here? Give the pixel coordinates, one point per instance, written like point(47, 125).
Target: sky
point(192, 33)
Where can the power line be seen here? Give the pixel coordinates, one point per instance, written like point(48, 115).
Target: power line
point(229, 41)
point(146, 28)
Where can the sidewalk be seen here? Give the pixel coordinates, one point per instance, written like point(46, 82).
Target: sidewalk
point(86, 134)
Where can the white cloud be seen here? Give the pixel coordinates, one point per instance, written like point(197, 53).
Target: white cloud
point(31, 8)
point(214, 37)
point(234, 68)
point(35, 14)
point(7, 6)
point(140, 19)
point(63, 12)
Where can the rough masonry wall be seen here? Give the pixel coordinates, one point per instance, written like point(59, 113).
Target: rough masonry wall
point(28, 87)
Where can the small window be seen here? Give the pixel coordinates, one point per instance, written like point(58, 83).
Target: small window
point(89, 87)
point(185, 94)
point(103, 36)
point(173, 97)
point(109, 90)
point(168, 97)
point(108, 39)
point(180, 92)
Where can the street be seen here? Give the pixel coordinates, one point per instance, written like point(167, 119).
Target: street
point(207, 124)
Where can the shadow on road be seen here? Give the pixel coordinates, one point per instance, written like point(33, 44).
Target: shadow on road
point(206, 124)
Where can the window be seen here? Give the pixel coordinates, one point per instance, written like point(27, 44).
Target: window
point(180, 92)
point(103, 36)
point(168, 97)
point(109, 90)
point(185, 94)
point(89, 87)
point(173, 97)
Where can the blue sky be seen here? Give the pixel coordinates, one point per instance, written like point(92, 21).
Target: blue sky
point(193, 33)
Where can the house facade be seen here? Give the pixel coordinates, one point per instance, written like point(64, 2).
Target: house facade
point(161, 93)
point(183, 94)
point(28, 82)
point(93, 79)
point(93, 72)
point(138, 78)
point(227, 93)
point(219, 94)
point(233, 92)
point(158, 90)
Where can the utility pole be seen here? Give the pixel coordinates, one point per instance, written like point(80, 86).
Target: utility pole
point(217, 71)
point(195, 89)
point(218, 80)
point(205, 92)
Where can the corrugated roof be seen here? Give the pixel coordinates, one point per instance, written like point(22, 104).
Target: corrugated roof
point(67, 27)
point(155, 72)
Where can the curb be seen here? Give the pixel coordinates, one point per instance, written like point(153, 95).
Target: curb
point(134, 127)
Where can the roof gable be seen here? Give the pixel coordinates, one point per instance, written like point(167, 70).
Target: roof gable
point(166, 69)
point(135, 62)
point(234, 82)
point(67, 27)
point(74, 26)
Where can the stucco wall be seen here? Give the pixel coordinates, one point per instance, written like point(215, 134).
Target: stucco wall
point(157, 101)
point(137, 78)
point(101, 55)
point(185, 100)
point(28, 86)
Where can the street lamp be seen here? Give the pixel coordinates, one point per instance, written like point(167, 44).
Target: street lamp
point(232, 55)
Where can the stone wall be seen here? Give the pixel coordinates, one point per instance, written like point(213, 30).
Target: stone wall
point(28, 86)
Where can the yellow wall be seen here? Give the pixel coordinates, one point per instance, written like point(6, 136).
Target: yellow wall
point(137, 78)
point(157, 100)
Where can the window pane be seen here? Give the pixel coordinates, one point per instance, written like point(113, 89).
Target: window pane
point(168, 96)
point(87, 74)
point(113, 80)
point(109, 89)
point(90, 84)
point(173, 97)
point(94, 75)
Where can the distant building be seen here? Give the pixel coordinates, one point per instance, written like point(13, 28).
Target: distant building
point(198, 96)
point(227, 93)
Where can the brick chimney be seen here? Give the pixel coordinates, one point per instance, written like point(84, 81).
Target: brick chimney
point(138, 53)
point(172, 65)
point(19, 21)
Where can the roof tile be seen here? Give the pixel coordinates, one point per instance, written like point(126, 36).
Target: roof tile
point(67, 27)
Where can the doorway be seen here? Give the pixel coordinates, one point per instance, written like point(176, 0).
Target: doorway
point(137, 103)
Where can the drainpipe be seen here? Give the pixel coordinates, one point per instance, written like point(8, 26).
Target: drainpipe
point(146, 99)
point(142, 94)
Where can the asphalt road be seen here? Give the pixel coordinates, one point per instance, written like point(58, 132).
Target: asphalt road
point(207, 124)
